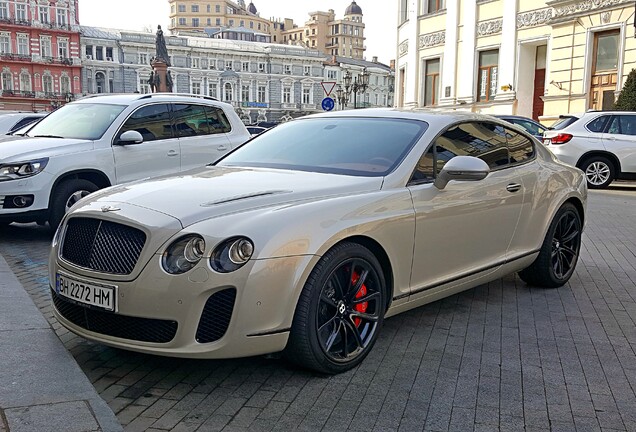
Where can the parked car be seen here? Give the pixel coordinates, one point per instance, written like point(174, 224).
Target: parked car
point(534, 128)
point(306, 237)
point(10, 122)
point(564, 121)
point(602, 144)
point(105, 140)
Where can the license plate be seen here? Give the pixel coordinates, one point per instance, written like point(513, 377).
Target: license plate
point(90, 293)
point(547, 141)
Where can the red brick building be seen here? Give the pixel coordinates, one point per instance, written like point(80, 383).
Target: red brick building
point(40, 65)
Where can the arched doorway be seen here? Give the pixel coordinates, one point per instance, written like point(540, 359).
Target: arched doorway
point(100, 82)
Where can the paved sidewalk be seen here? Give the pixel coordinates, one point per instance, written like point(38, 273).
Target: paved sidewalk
point(41, 386)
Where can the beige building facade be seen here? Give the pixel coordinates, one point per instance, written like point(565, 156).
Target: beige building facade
point(533, 58)
point(195, 15)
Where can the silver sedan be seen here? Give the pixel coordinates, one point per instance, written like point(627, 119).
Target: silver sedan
point(307, 237)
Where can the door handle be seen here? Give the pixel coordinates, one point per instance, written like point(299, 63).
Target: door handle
point(513, 187)
point(173, 153)
point(222, 147)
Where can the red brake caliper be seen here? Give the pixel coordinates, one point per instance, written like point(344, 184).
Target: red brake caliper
point(360, 307)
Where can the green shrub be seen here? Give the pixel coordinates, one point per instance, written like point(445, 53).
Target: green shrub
point(627, 99)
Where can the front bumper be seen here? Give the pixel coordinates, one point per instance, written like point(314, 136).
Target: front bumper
point(260, 320)
point(37, 186)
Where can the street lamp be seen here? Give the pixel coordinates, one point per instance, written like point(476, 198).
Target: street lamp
point(359, 85)
point(342, 96)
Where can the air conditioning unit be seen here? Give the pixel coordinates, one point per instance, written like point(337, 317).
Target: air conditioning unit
point(89, 57)
point(109, 59)
point(211, 67)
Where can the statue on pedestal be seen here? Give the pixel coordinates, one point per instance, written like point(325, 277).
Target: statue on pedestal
point(161, 49)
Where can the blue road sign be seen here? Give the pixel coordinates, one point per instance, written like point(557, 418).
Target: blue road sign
point(328, 104)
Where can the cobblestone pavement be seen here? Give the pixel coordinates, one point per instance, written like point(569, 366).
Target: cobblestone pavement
point(502, 356)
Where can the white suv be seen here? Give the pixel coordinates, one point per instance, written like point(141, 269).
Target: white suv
point(100, 141)
point(602, 144)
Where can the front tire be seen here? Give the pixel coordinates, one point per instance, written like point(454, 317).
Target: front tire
point(599, 172)
point(340, 311)
point(65, 195)
point(559, 253)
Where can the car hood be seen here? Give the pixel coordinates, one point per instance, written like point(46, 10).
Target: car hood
point(21, 149)
point(215, 191)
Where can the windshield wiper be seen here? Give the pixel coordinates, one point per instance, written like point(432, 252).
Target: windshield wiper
point(46, 136)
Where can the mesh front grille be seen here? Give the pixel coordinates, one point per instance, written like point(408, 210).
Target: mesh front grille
point(111, 324)
point(102, 246)
point(216, 316)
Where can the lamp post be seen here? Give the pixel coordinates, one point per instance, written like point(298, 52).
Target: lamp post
point(342, 96)
point(359, 85)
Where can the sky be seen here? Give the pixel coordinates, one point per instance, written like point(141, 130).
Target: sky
point(380, 22)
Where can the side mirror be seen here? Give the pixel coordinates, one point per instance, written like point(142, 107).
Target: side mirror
point(130, 137)
point(462, 168)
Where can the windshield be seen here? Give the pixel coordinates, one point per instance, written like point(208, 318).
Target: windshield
point(563, 122)
point(353, 146)
point(79, 121)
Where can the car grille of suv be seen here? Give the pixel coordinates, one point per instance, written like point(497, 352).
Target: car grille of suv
point(112, 324)
point(103, 246)
point(216, 316)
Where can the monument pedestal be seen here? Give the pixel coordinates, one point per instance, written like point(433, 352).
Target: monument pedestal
point(162, 80)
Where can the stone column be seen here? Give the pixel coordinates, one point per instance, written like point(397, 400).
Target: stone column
point(412, 57)
point(449, 61)
point(466, 72)
point(508, 52)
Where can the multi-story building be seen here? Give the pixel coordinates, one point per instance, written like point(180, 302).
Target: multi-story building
point(379, 91)
point(264, 82)
point(533, 58)
point(39, 54)
point(234, 20)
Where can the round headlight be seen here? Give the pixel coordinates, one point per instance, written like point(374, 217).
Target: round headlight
point(183, 254)
point(232, 254)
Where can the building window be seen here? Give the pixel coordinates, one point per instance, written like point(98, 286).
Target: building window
point(487, 78)
point(65, 85)
point(220, 64)
point(404, 10)
point(332, 74)
point(435, 5)
point(195, 8)
point(44, 14)
point(261, 67)
point(218, 21)
point(195, 22)
point(143, 58)
point(606, 51)
point(306, 95)
point(196, 88)
point(20, 12)
point(288, 69)
point(99, 53)
point(4, 10)
point(307, 70)
point(182, 8)
point(144, 87)
point(251, 24)
point(245, 93)
point(209, 8)
point(211, 64)
point(7, 81)
point(241, 23)
point(109, 54)
point(62, 48)
point(431, 83)
point(182, 21)
point(5, 44)
point(45, 46)
point(25, 82)
point(245, 66)
point(208, 22)
point(212, 90)
point(604, 70)
point(228, 92)
point(217, 9)
point(61, 17)
point(47, 84)
point(231, 23)
point(286, 94)
point(196, 63)
point(261, 94)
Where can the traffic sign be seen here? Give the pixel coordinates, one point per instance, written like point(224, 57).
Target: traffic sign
point(328, 104)
point(328, 86)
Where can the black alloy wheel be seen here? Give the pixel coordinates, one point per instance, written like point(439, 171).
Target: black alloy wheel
point(560, 251)
point(340, 311)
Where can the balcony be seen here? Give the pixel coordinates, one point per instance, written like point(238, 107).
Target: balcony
point(15, 57)
point(16, 22)
point(17, 93)
point(53, 60)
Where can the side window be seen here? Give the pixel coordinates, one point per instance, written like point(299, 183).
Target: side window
point(152, 122)
point(623, 125)
point(521, 148)
point(190, 120)
point(485, 141)
point(530, 127)
point(598, 124)
point(217, 120)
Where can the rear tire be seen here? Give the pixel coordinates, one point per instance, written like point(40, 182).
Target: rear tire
point(65, 195)
point(559, 253)
point(340, 311)
point(599, 171)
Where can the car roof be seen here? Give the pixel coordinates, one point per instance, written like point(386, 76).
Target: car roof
point(515, 117)
point(131, 98)
point(425, 114)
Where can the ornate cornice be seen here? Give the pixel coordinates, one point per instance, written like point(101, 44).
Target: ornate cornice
point(403, 48)
point(432, 39)
point(534, 18)
point(586, 6)
point(487, 28)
